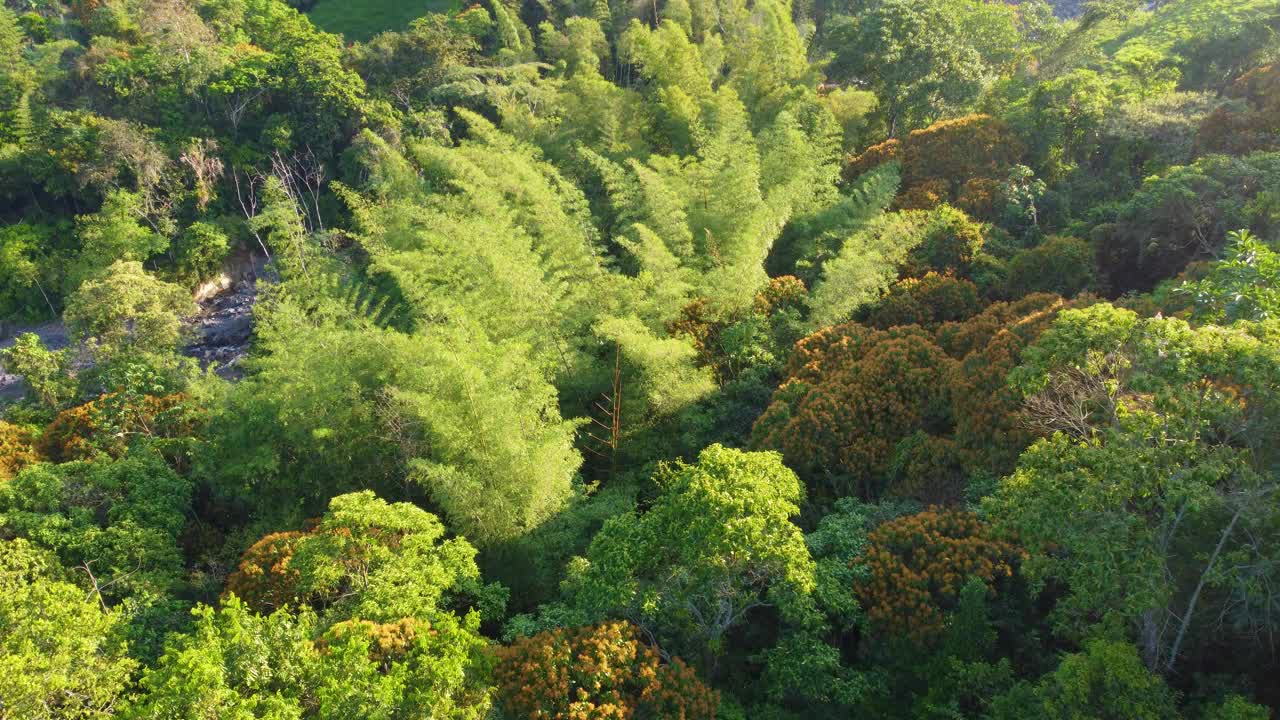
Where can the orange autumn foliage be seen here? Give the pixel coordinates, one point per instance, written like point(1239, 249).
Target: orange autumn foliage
point(827, 351)
point(787, 291)
point(925, 195)
point(264, 580)
point(388, 642)
point(870, 389)
point(959, 150)
point(917, 565)
point(16, 450)
point(977, 197)
point(959, 161)
point(854, 396)
point(1027, 317)
point(84, 9)
point(597, 672)
point(925, 301)
point(989, 430)
point(105, 426)
point(69, 436)
point(872, 158)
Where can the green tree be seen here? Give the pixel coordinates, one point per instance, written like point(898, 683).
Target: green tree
point(851, 109)
point(30, 275)
point(483, 434)
point(1067, 112)
point(305, 424)
point(1106, 681)
point(16, 76)
point(1236, 707)
point(530, 282)
point(717, 544)
point(47, 372)
point(315, 97)
point(116, 523)
point(1240, 286)
point(201, 250)
point(365, 559)
point(1185, 214)
point(116, 233)
point(471, 419)
point(1158, 477)
point(237, 664)
point(951, 242)
point(867, 264)
point(128, 313)
point(921, 59)
point(813, 238)
point(62, 652)
point(1060, 265)
point(660, 376)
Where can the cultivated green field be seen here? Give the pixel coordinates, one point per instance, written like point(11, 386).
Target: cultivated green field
point(362, 19)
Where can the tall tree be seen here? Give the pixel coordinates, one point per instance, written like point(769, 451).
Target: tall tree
point(1161, 449)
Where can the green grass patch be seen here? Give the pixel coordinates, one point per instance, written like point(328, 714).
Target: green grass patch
point(1188, 21)
point(362, 19)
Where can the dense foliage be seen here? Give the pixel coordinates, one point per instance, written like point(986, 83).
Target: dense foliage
point(750, 359)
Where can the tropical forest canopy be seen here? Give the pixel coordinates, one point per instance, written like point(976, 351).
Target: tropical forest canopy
point(684, 359)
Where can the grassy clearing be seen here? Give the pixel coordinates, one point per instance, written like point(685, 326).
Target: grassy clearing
point(1187, 21)
point(362, 19)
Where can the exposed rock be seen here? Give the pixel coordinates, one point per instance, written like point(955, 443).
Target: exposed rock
point(220, 332)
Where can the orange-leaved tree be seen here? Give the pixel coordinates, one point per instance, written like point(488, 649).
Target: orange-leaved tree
point(918, 564)
point(782, 293)
point(925, 301)
point(597, 672)
point(264, 580)
point(854, 397)
point(106, 426)
point(959, 161)
point(16, 449)
point(868, 391)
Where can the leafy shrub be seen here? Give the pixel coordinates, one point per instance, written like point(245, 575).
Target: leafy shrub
point(1060, 265)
